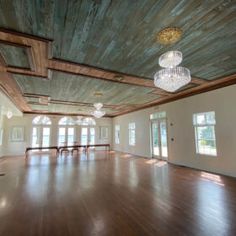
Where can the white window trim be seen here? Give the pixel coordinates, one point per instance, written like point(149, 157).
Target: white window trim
point(130, 129)
point(117, 134)
point(196, 135)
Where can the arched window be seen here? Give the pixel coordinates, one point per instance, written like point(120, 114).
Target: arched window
point(41, 131)
point(66, 131)
point(66, 121)
point(41, 120)
point(86, 121)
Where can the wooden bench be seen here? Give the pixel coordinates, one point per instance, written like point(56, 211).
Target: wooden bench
point(40, 148)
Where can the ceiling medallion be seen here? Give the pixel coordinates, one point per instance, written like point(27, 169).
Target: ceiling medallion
point(98, 94)
point(169, 35)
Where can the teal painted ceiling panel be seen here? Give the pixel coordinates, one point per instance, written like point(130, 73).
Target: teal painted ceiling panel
point(121, 35)
point(74, 88)
point(14, 56)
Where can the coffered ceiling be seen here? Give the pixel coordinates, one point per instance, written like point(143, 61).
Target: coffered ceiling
point(56, 56)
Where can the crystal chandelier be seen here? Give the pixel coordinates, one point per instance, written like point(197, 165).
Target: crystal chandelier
point(98, 113)
point(172, 77)
point(98, 105)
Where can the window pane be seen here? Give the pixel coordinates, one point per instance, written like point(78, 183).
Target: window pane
point(204, 118)
point(206, 132)
point(46, 137)
point(84, 136)
point(70, 136)
point(62, 136)
point(155, 139)
point(210, 118)
point(92, 136)
point(163, 131)
point(207, 147)
point(117, 134)
point(35, 137)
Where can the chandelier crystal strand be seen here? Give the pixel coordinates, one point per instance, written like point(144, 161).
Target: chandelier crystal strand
point(171, 79)
point(170, 59)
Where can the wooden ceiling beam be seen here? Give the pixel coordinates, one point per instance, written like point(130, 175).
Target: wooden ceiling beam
point(12, 90)
point(212, 85)
point(35, 112)
point(97, 73)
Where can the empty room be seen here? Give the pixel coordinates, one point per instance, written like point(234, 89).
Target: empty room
point(117, 118)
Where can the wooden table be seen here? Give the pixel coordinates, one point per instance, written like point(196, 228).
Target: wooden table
point(73, 147)
point(40, 148)
point(107, 145)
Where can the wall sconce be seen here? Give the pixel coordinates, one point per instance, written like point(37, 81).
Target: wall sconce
point(9, 114)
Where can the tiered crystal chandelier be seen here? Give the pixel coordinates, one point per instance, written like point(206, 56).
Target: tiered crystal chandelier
point(172, 77)
point(98, 113)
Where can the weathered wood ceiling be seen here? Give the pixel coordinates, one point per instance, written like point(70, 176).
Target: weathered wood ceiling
point(67, 50)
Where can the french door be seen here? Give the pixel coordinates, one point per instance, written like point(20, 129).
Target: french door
point(66, 136)
point(159, 139)
point(41, 136)
point(87, 135)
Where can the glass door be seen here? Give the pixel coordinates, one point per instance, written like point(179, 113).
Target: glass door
point(87, 135)
point(91, 135)
point(84, 135)
point(35, 137)
point(40, 136)
point(155, 139)
point(62, 136)
point(70, 136)
point(159, 138)
point(46, 137)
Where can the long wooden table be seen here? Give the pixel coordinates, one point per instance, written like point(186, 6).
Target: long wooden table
point(40, 148)
point(65, 148)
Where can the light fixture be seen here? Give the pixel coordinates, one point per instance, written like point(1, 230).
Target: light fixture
point(98, 113)
point(98, 105)
point(170, 59)
point(9, 114)
point(172, 77)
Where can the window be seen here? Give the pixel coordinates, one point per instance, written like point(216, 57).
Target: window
point(66, 132)
point(41, 120)
point(132, 134)
point(41, 131)
point(158, 115)
point(66, 121)
point(117, 134)
point(204, 125)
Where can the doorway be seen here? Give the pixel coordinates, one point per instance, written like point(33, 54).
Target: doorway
point(159, 138)
point(87, 135)
point(41, 136)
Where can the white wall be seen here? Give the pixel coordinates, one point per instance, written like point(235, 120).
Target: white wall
point(182, 149)
point(1, 131)
point(18, 148)
point(5, 106)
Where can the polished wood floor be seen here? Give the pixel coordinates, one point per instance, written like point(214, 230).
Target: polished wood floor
point(108, 193)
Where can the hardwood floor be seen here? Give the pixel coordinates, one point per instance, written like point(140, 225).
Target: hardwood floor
point(108, 193)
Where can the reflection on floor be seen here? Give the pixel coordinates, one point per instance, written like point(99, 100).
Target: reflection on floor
point(111, 193)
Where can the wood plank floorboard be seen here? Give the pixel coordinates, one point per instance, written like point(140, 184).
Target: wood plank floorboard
point(111, 193)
